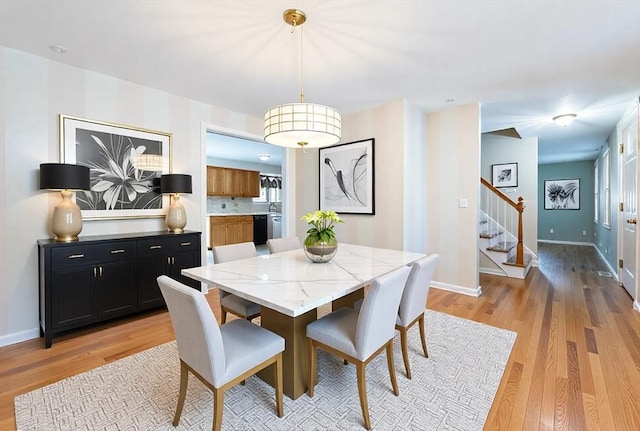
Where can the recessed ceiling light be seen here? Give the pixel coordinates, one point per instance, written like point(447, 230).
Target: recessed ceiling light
point(450, 100)
point(264, 157)
point(564, 120)
point(58, 49)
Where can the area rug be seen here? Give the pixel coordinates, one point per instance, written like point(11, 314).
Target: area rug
point(451, 390)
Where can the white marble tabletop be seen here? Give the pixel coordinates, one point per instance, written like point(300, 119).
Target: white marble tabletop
point(291, 284)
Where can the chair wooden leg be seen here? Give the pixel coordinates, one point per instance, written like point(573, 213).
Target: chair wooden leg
point(422, 338)
point(218, 407)
point(405, 350)
point(362, 391)
point(224, 317)
point(392, 368)
point(312, 367)
point(278, 379)
point(184, 379)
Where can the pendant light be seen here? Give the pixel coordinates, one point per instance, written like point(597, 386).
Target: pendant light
point(301, 125)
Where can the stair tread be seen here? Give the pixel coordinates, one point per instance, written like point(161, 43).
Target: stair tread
point(489, 234)
point(502, 246)
point(526, 259)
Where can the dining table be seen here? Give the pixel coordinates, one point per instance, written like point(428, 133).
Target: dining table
point(290, 288)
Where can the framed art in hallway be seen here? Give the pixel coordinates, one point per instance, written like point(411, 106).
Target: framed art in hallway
point(347, 178)
point(126, 163)
point(504, 175)
point(562, 194)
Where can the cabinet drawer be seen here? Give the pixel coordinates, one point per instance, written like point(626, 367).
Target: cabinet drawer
point(149, 247)
point(88, 254)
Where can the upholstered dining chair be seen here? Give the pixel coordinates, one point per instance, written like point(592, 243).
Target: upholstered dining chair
point(230, 303)
point(219, 356)
point(413, 304)
point(358, 337)
point(278, 245)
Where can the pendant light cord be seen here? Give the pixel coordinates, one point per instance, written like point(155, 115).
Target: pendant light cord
point(301, 68)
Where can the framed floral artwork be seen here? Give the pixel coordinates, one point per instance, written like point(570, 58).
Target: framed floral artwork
point(562, 194)
point(504, 175)
point(346, 178)
point(125, 162)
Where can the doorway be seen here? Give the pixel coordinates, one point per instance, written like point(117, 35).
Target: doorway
point(628, 247)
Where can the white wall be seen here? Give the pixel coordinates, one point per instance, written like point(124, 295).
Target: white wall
point(386, 228)
point(498, 149)
point(453, 172)
point(415, 180)
point(34, 92)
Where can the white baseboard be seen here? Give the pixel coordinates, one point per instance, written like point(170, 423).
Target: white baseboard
point(636, 306)
point(606, 262)
point(492, 271)
point(458, 289)
point(567, 242)
point(18, 337)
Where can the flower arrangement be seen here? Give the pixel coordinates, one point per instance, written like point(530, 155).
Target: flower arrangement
point(322, 230)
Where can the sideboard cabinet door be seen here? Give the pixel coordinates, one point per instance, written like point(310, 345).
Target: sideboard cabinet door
point(103, 277)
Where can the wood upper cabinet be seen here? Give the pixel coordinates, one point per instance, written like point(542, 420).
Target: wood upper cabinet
point(252, 184)
point(215, 181)
point(232, 182)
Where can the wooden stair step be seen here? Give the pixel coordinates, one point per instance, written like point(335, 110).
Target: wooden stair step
point(512, 260)
point(489, 234)
point(502, 246)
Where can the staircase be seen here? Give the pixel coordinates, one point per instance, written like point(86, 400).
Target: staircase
point(500, 238)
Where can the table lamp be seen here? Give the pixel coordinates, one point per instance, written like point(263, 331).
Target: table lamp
point(66, 222)
point(176, 184)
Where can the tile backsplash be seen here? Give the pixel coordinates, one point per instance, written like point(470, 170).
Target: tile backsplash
point(224, 205)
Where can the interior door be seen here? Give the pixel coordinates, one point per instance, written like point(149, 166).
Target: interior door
point(629, 192)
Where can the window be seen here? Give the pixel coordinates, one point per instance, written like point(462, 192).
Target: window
point(596, 193)
point(270, 189)
point(606, 191)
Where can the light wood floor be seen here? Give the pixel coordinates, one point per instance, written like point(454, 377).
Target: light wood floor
point(575, 364)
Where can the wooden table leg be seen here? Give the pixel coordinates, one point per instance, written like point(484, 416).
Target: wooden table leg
point(347, 300)
point(294, 358)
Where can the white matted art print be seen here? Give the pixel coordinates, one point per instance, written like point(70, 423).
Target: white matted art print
point(562, 194)
point(347, 178)
point(123, 182)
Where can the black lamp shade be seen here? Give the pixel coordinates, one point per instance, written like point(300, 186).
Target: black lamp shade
point(175, 183)
point(61, 176)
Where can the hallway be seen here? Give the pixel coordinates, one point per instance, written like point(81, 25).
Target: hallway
point(576, 361)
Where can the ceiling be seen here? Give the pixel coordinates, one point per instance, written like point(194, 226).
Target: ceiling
point(243, 150)
point(524, 61)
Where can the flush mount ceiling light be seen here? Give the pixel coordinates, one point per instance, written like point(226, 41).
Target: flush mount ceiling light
point(564, 120)
point(264, 157)
point(58, 49)
point(301, 125)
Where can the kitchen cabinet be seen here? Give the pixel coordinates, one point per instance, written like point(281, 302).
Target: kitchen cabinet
point(215, 181)
point(252, 183)
point(225, 230)
point(103, 277)
point(232, 182)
